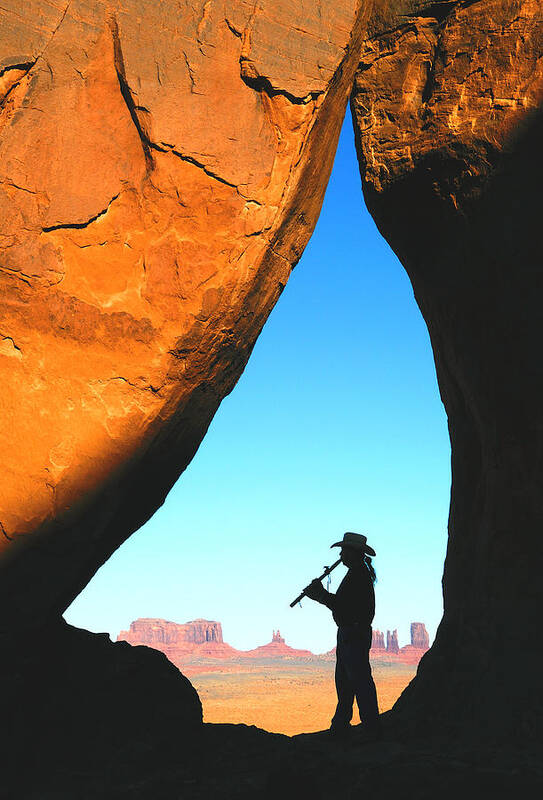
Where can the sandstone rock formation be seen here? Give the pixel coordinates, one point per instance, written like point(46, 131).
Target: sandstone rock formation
point(447, 111)
point(419, 636)
point(392, 642)
point(162, 166)
point(179, 643)
point(377, 640)
point(420, 643)
point(277, 648)
point(153, 631)
point(199, 639)
point(392, 652)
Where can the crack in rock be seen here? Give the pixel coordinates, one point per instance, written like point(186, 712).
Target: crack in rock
point(233, 29)
point(5, 533)
point(165, 148)
point(80, 225)
point(7, 87)
point(13, 185)
point(259, 83)
point(9, 348)
point(23, 66)
point(142, 388)
point(126, 93)
point(15, 273)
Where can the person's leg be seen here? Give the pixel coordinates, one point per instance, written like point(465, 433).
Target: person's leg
point(366, 698)
point(344, 689)
point(357, 665)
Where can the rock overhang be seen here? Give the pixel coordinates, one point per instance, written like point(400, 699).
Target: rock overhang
point(162, 168)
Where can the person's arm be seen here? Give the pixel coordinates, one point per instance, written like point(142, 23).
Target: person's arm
point(316, 591)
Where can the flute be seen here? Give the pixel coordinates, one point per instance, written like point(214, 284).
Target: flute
point(327, 571)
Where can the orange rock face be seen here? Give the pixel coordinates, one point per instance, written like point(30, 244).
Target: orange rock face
point(456, 80)
point(162, 166)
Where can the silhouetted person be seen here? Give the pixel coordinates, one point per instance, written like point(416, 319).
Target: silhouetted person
point(353, 608)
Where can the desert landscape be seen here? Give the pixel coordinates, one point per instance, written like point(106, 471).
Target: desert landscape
point(162, 169)
point(283, 697)
point(275, 687)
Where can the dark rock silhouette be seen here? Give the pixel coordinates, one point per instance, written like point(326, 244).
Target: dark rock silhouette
point(448, 120)
point(83, 712)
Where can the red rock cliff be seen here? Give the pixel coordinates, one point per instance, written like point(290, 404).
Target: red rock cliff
point(277, 648)
point(392, 642)
point(200, 637)
point(159, 631)
point(419, 636)
point(377, 640)
point(162, 166)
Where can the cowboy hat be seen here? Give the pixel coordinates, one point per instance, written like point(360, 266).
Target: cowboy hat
point(357, 541)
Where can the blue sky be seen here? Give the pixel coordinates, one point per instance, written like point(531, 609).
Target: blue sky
point(335, 425)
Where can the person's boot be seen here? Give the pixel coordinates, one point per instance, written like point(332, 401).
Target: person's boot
point(340, 732)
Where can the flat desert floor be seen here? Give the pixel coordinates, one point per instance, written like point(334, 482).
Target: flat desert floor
point(287, 697)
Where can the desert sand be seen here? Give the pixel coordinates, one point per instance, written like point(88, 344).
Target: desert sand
point(282, 696)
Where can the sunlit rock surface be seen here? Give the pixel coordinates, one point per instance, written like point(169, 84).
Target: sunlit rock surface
point(447, 110)
point(162, 166)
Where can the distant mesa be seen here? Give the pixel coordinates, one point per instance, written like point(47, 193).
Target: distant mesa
point(202, 638)
point(419, 636)
point(391, 651)
point(410, 654)
point(420, 643)
point(277, 648)
point(147, 630)
point(392, 642)
point(179, 642)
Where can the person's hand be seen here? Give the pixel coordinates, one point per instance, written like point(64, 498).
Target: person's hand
point(314, 591)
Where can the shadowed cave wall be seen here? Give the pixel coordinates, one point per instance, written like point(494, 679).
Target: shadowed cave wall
point(448, 125)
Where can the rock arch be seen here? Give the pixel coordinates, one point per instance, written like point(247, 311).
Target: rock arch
point(162, 167)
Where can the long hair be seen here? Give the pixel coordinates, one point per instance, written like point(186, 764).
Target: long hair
point(370, 568)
